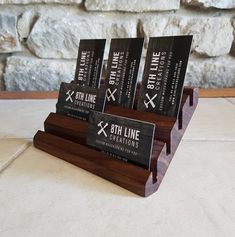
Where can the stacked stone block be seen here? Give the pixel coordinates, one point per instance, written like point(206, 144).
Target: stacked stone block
point(39, 38)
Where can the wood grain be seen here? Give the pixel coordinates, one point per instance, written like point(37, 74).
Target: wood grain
point(220, 92)
point(16, 95)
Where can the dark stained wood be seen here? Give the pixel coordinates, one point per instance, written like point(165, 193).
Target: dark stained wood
point(66, 127)
point(65, 137)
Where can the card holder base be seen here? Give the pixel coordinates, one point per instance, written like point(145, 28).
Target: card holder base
point(65, 138)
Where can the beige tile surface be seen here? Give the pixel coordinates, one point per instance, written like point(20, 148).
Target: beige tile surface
point(232, 100)
point(214, 119)
point(10, 149)
point(45, 196)
point(22, 118)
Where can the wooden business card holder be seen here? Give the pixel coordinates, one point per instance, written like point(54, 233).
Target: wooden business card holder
point(65, 138)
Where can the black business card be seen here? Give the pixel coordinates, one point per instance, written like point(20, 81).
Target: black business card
point(164, 74)
point(77, 101)
point(89, 62)
point(127, 139)
point(122, 70)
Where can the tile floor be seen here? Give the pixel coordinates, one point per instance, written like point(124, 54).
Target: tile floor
point(41, 195)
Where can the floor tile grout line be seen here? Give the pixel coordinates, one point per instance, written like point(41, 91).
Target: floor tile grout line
point(228, 100)
point(17, 154)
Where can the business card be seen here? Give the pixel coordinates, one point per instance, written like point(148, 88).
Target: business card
point(77, 101)
point(122, 71)
point(124, 138)
point(164, 73)
point(89, 62)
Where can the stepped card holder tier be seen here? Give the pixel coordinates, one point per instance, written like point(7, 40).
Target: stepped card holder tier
point(65, 138)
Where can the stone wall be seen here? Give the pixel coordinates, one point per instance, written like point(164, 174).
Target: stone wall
point(39, 38)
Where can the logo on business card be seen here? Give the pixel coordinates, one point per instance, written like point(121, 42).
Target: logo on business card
point(102, 128)
point(150, 101)
point(110, 95)
point(69, 94)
